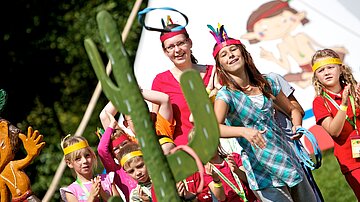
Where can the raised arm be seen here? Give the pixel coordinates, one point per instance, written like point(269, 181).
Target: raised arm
point(160, 99)
point(104, 119)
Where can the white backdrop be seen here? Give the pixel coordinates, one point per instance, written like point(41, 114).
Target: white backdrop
point(331, 24)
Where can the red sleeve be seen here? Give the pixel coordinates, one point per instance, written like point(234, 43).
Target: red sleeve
point(207, 75)
point(237, 159)
point(156, 85)
point(320, 110)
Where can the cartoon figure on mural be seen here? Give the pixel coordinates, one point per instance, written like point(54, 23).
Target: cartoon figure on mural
point(276, 20)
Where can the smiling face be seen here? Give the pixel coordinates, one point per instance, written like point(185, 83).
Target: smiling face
point(177, 49)
point(230, 58)
point(136, 168)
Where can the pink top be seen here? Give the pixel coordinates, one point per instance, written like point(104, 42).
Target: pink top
point(165, 82)
point(80, 194)
point(122, 179)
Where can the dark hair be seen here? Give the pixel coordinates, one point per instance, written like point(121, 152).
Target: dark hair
point(171, 26)
point(255, 77)
point(13, 135)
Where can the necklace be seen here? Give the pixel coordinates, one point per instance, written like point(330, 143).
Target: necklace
point(18, 192)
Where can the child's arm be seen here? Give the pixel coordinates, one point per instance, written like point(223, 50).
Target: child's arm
point(215, 185)
point(255, 137)
point(163, 102)
point(104, 119)
point(104, 145)
point(236, 168)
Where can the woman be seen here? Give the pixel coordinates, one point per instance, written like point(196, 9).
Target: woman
point(177, 47)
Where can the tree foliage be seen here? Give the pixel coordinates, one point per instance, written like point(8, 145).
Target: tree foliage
point(47, 74)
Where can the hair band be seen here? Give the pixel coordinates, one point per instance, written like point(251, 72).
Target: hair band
point(222, 39)
point(119, 140)
point(75, 147)
point(326, 61)
point(171, 34)
point(164, 140)
point(128, 156)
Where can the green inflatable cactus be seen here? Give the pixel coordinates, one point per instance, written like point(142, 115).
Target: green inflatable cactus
point(165, 171)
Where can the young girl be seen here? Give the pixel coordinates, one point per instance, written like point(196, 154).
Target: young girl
point(110, 143)
point(130, 158)
point(244, 109)
point(226, 180)
point(336, 109)
point(82, 160)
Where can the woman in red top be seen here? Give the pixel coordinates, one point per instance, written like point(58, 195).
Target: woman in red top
point(177, 47)
point(337, 98)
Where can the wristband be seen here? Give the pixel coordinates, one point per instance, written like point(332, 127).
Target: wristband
point(343, 108)
point(217, 185)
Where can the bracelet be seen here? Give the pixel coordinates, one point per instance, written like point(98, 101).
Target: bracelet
point(343, 108)
point(217, 185)
point(217, 181)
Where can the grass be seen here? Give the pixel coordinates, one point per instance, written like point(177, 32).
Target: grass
point(331, 181)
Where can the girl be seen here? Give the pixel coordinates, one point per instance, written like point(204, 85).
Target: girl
point(244, 109)
point(82, 160)
point(110, 143)
point(336, 89)
point(130, 158)
point(226, 180)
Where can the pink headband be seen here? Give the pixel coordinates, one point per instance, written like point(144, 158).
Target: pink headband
point(119, 140)
point(171, 34)
point(228, 42)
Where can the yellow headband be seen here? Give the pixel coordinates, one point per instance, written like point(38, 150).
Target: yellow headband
point(326, 61)
point(165, 140)
point(75, 147)
point(129, 156)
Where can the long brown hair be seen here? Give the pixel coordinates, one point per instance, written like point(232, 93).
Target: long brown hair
point(346, 76)
point(255, 77)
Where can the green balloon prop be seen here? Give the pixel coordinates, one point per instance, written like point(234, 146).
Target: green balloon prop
point(165, 171)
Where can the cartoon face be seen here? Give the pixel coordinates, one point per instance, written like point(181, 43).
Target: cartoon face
point(277, 26)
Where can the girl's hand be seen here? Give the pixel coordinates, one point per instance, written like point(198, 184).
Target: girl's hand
point(345, 95)
point(95, 188)
point(143, 196)
point(181, 188)
point(255, 137)
point(296, 136)
point(232, 164)
point(113, 122)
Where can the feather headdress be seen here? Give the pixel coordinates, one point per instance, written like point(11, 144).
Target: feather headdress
point(221, 38)
point(172, 32)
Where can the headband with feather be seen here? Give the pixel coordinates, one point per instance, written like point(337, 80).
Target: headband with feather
point(221, 38)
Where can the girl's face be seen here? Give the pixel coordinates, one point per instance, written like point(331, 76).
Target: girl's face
point(116, 149)
point(329, 75)
point(177, 49)
point(137, 170)
point(83, 163)
point(230, 58)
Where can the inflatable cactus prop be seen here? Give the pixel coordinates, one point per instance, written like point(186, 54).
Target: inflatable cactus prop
point(126, 97)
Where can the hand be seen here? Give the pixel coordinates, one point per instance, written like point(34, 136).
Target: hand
point(297, 136)
point(142, 195)
point(181, 188)
point(113, 122)
point(32, 142)
point(345, 95)
point(266, 54)
point(231, 162)
point(255, 137)
point(95, 187)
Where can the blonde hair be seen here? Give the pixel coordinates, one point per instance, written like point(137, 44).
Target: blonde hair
point(128, 148)
point(70, 140)
point(346, 76)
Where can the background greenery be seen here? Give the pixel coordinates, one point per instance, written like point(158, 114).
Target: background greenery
point(48, 76)
point(331, 181)
point(49, 80)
